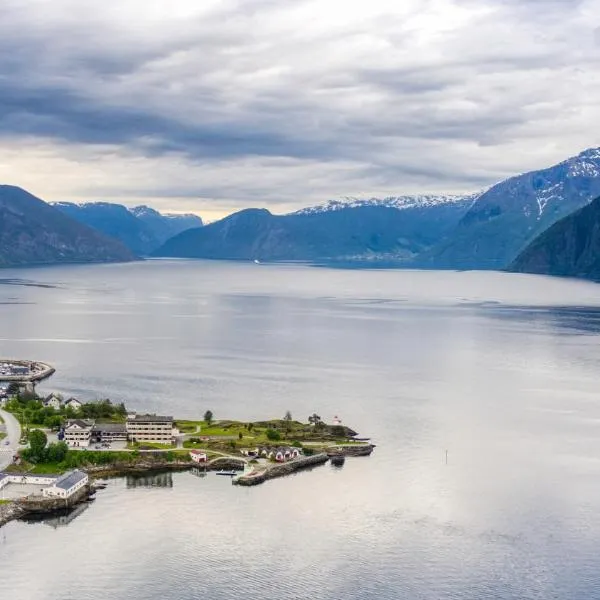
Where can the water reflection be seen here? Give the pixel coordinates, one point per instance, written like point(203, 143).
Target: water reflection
point(150, 480)
point(60, 518)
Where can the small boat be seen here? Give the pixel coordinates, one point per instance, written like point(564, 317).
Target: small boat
point(256, 261)
point(227, 473)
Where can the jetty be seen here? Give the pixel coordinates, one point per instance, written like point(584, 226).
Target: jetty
point(260, 474)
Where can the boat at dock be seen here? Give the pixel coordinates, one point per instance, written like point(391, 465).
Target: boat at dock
point(228, 473)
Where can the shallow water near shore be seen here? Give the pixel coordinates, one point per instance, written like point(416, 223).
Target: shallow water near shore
point(500, 370)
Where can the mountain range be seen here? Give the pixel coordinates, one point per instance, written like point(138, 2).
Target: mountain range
point(33, 232)
point(142, 229)
point(392, 229)
point(487, 230)
point(510, 224)
point(570, 247)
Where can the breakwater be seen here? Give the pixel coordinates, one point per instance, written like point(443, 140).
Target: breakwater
point(34, 371)
point(260, 475)
point(351, 450)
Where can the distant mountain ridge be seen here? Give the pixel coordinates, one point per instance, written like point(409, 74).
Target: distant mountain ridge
point(142, 229)
point(508, 216)
point(570, 248)
point(358, 231)
point(398, 202)
point(33, 232)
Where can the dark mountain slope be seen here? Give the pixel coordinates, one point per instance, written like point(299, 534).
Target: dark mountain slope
point(141, 229)
point(512, 213)
point(115, 221)
point(570, 247)
point(33, 232)
point(363, 232)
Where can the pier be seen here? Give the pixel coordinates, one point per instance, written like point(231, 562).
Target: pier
point(261, 474)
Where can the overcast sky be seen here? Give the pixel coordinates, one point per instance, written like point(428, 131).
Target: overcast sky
point(211, 106)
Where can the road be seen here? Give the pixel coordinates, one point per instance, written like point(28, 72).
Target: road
point(13, 435)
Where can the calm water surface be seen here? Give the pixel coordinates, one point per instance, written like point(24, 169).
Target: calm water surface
point(500, 370)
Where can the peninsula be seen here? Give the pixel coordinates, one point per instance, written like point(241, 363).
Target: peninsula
point(52, 438)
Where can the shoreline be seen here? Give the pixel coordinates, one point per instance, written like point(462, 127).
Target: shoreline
point(19, 508)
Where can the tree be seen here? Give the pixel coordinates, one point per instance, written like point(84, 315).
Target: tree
point(314, 419)
point(56, 453)
point(240, 435)
point(37, 444)
point(288, 416)
point(208, 417)
point(273, 435)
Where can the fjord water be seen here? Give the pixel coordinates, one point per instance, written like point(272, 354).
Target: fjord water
point(500, 370)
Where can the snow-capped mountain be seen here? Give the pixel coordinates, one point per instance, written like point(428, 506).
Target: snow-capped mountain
point(398, 202)
point(508, 216)
point(393, 229)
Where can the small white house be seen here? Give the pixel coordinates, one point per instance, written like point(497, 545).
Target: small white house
point(53, 401)
point(337, 420)
point(66, 485)
point(73, 403)
point(198, 456)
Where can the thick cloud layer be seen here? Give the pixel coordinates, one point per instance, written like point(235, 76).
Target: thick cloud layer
point(214, 105)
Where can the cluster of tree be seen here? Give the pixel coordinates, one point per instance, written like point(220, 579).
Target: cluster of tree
point(103, 409)
point(40, 451)
point(31, 410)
point(315, 420)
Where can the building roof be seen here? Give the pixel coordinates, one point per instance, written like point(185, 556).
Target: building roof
point(81, 423)
point(69, 479)
point(110, 427)
point(149, 419)
point(73, 400)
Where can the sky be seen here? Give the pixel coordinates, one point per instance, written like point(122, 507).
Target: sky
point(212, 106)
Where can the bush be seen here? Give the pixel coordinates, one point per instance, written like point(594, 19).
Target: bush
point(296, 444)
point(308, 451)
point(273, 435)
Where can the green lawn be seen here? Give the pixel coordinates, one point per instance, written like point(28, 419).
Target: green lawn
point(5, 502)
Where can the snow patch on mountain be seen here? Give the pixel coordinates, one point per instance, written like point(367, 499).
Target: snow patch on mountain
point(398, 202)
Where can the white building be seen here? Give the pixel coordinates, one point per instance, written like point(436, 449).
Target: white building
point(66, 485)
point(198, 456)
point(78, 433)
point(150, 428)
point(73, 403)
point(53, 401)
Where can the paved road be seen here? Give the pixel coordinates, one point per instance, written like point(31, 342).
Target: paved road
point(13, 435)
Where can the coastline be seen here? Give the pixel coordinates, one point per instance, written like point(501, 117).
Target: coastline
point(16, 509)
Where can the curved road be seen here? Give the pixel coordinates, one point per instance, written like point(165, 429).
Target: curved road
point(13, 435)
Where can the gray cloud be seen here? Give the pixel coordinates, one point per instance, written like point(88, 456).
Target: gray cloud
point(262, 102)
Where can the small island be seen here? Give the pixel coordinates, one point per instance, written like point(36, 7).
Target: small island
point(67, 440)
